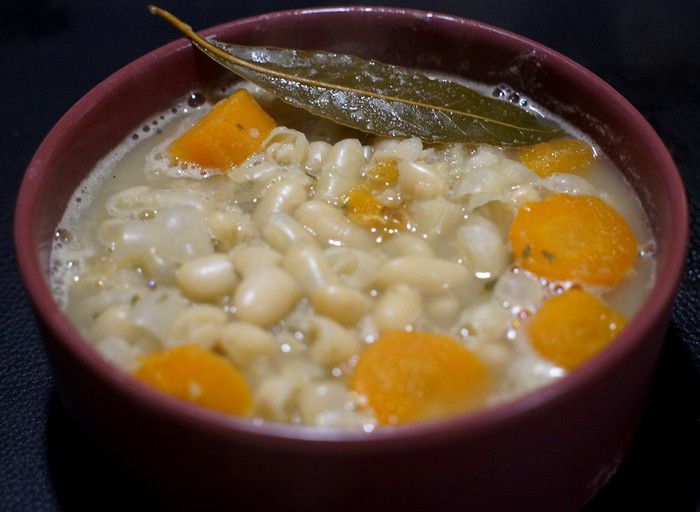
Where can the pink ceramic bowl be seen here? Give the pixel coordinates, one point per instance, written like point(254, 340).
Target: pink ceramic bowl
point(551, 450)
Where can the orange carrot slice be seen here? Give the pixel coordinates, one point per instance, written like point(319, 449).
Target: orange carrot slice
point(232, 131)
point(570, 328)
point(580, 238)
point(559, 155)
point(415, 376)
point(191, 373)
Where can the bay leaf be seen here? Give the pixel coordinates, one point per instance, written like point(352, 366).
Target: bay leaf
point(376, 97)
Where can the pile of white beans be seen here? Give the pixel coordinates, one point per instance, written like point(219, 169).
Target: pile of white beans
point(263, 266)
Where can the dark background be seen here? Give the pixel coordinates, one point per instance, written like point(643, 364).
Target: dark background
point(53, 52)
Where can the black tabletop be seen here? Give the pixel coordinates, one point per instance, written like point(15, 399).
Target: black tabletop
point(54, 51)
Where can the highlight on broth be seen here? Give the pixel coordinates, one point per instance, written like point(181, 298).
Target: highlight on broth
point(246, 256)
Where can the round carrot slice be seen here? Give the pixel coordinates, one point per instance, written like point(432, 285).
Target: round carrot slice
point(570, 328)
point(415, 376)
point(559, 155)
point(569, 237)
point(192, 373)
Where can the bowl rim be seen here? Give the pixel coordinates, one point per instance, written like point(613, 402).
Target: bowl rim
point(288, 436)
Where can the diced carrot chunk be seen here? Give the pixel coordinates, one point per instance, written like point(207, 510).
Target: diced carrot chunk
point(383, 175)
point(363, 207)
point(570, 328)
point(359, 201)
point(192, 373)
point(366, 210)
point(416, 376)
point(232, 131)
point(559, 155)
point(578, 238)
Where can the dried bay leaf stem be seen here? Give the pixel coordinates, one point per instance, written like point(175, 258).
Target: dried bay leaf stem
point(375, 97)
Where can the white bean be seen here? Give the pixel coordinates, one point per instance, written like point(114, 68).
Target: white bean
point(286, 146)
point(266, 296)
point(120, 353)
point(223, 225)
point(341, 170)
point(114, 321)
point(301, 369)
point(426, 274)
point(255, 171)
point(308, 265)
point(132, 202)
point(318, 398)
point(487, 175)
point(333, 345)
point(229, 228)
point(249, 258)
point(315, 156)
point(275, 398)
point(331, 226)
point(436, 217)
point(443, 309)
point(282, 197)
point(206, 278)
point(420, 180)
point(406, 244)
point(243, 342)
point(260, 188)
point(290, 172)
point(399, 308)
point(341, 303)
point(386, 145)
point(200, 324)
point(355, 267)
point(485, 322)
point(479, 242)
point(282, 232)
point(397, 149)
